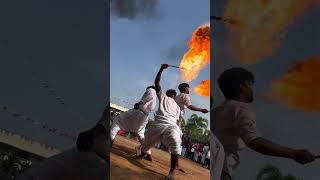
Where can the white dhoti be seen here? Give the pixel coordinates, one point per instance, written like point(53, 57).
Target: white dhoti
point(169, 135)
point(131, 121)
point(216, 158)
point(72, 164)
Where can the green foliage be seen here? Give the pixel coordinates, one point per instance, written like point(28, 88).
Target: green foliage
point(271, 172)
point(196, 128)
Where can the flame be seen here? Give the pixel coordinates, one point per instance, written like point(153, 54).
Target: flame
point(259, 25)
point(198, 55)
point(299, 88)
point(203, 89)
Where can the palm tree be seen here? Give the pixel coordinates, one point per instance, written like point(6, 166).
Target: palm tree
point(196, 128)
point(270, 172)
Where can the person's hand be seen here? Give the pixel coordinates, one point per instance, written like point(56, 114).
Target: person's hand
point(136, 105)
point(303, 156)
point(85, 141)
point(204, 110)
point(164, 66)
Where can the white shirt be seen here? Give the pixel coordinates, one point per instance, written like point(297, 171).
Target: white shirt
point(169, 111)
point(149, 100)
point(183, 100)
point(234, 125)
point(208, 155)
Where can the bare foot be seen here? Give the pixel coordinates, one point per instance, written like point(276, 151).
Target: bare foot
point(171, 175)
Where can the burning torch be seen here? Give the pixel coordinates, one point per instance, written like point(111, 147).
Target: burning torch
point(175, 66)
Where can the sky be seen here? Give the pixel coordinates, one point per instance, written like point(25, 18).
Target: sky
point(140, 44)
point(276, 122)
point(65, 43)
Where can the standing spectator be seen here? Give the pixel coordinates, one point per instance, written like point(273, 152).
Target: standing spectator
point(207, 160)
point(199, 157)
point(183, 152)
point(192, 152)
point(195, 152)
point(205, 151)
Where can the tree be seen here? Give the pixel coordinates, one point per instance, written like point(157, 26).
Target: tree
point(270, 172)
point(196, 128)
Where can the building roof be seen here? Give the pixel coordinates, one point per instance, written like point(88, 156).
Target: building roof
point(27, 144)
point(120, 108)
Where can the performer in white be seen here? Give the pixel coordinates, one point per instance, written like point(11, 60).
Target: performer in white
point(165, 126)
point(235, 125)
point(135, 120)
point(90, 160)
point(184, 101)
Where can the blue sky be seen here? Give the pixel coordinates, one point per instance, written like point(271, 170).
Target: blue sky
point(64, 43)
point(139, 46)
point(276, 122)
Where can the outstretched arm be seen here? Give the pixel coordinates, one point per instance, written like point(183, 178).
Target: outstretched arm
point(250, 135)
point(195, 108)
point(158, 77)
point(267, 147)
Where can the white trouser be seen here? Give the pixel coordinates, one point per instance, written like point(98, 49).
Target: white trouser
point(72, 164)
point(131, 121)
point(169, 135)
point(217, 156)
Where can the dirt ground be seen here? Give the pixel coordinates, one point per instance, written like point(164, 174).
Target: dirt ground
point(125, 167)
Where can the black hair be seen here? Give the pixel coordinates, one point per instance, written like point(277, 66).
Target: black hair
point(230, 80)
point(153, 87)
point(170, 92)
point(182, 87)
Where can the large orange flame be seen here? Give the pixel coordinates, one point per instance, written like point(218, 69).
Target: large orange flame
point(299, 88)
point(198, 55)
point(203, 89)
point(259, 25)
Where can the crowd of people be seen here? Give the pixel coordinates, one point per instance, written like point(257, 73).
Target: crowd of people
point(197, 152)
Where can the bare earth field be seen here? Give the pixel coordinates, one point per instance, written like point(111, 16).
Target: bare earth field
point(123, 166)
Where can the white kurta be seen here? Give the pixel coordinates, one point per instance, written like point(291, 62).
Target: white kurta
point(135, 120)
point(234, 126)
point(165, 127)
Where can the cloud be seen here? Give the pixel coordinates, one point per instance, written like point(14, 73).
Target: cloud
point(135, 9)
point(175, 53)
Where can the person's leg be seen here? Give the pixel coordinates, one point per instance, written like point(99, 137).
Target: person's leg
point(114, 130)
point(173, 163)
point(172, 139)
point(140, 135)
point(152, 137)
point(206, 162)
